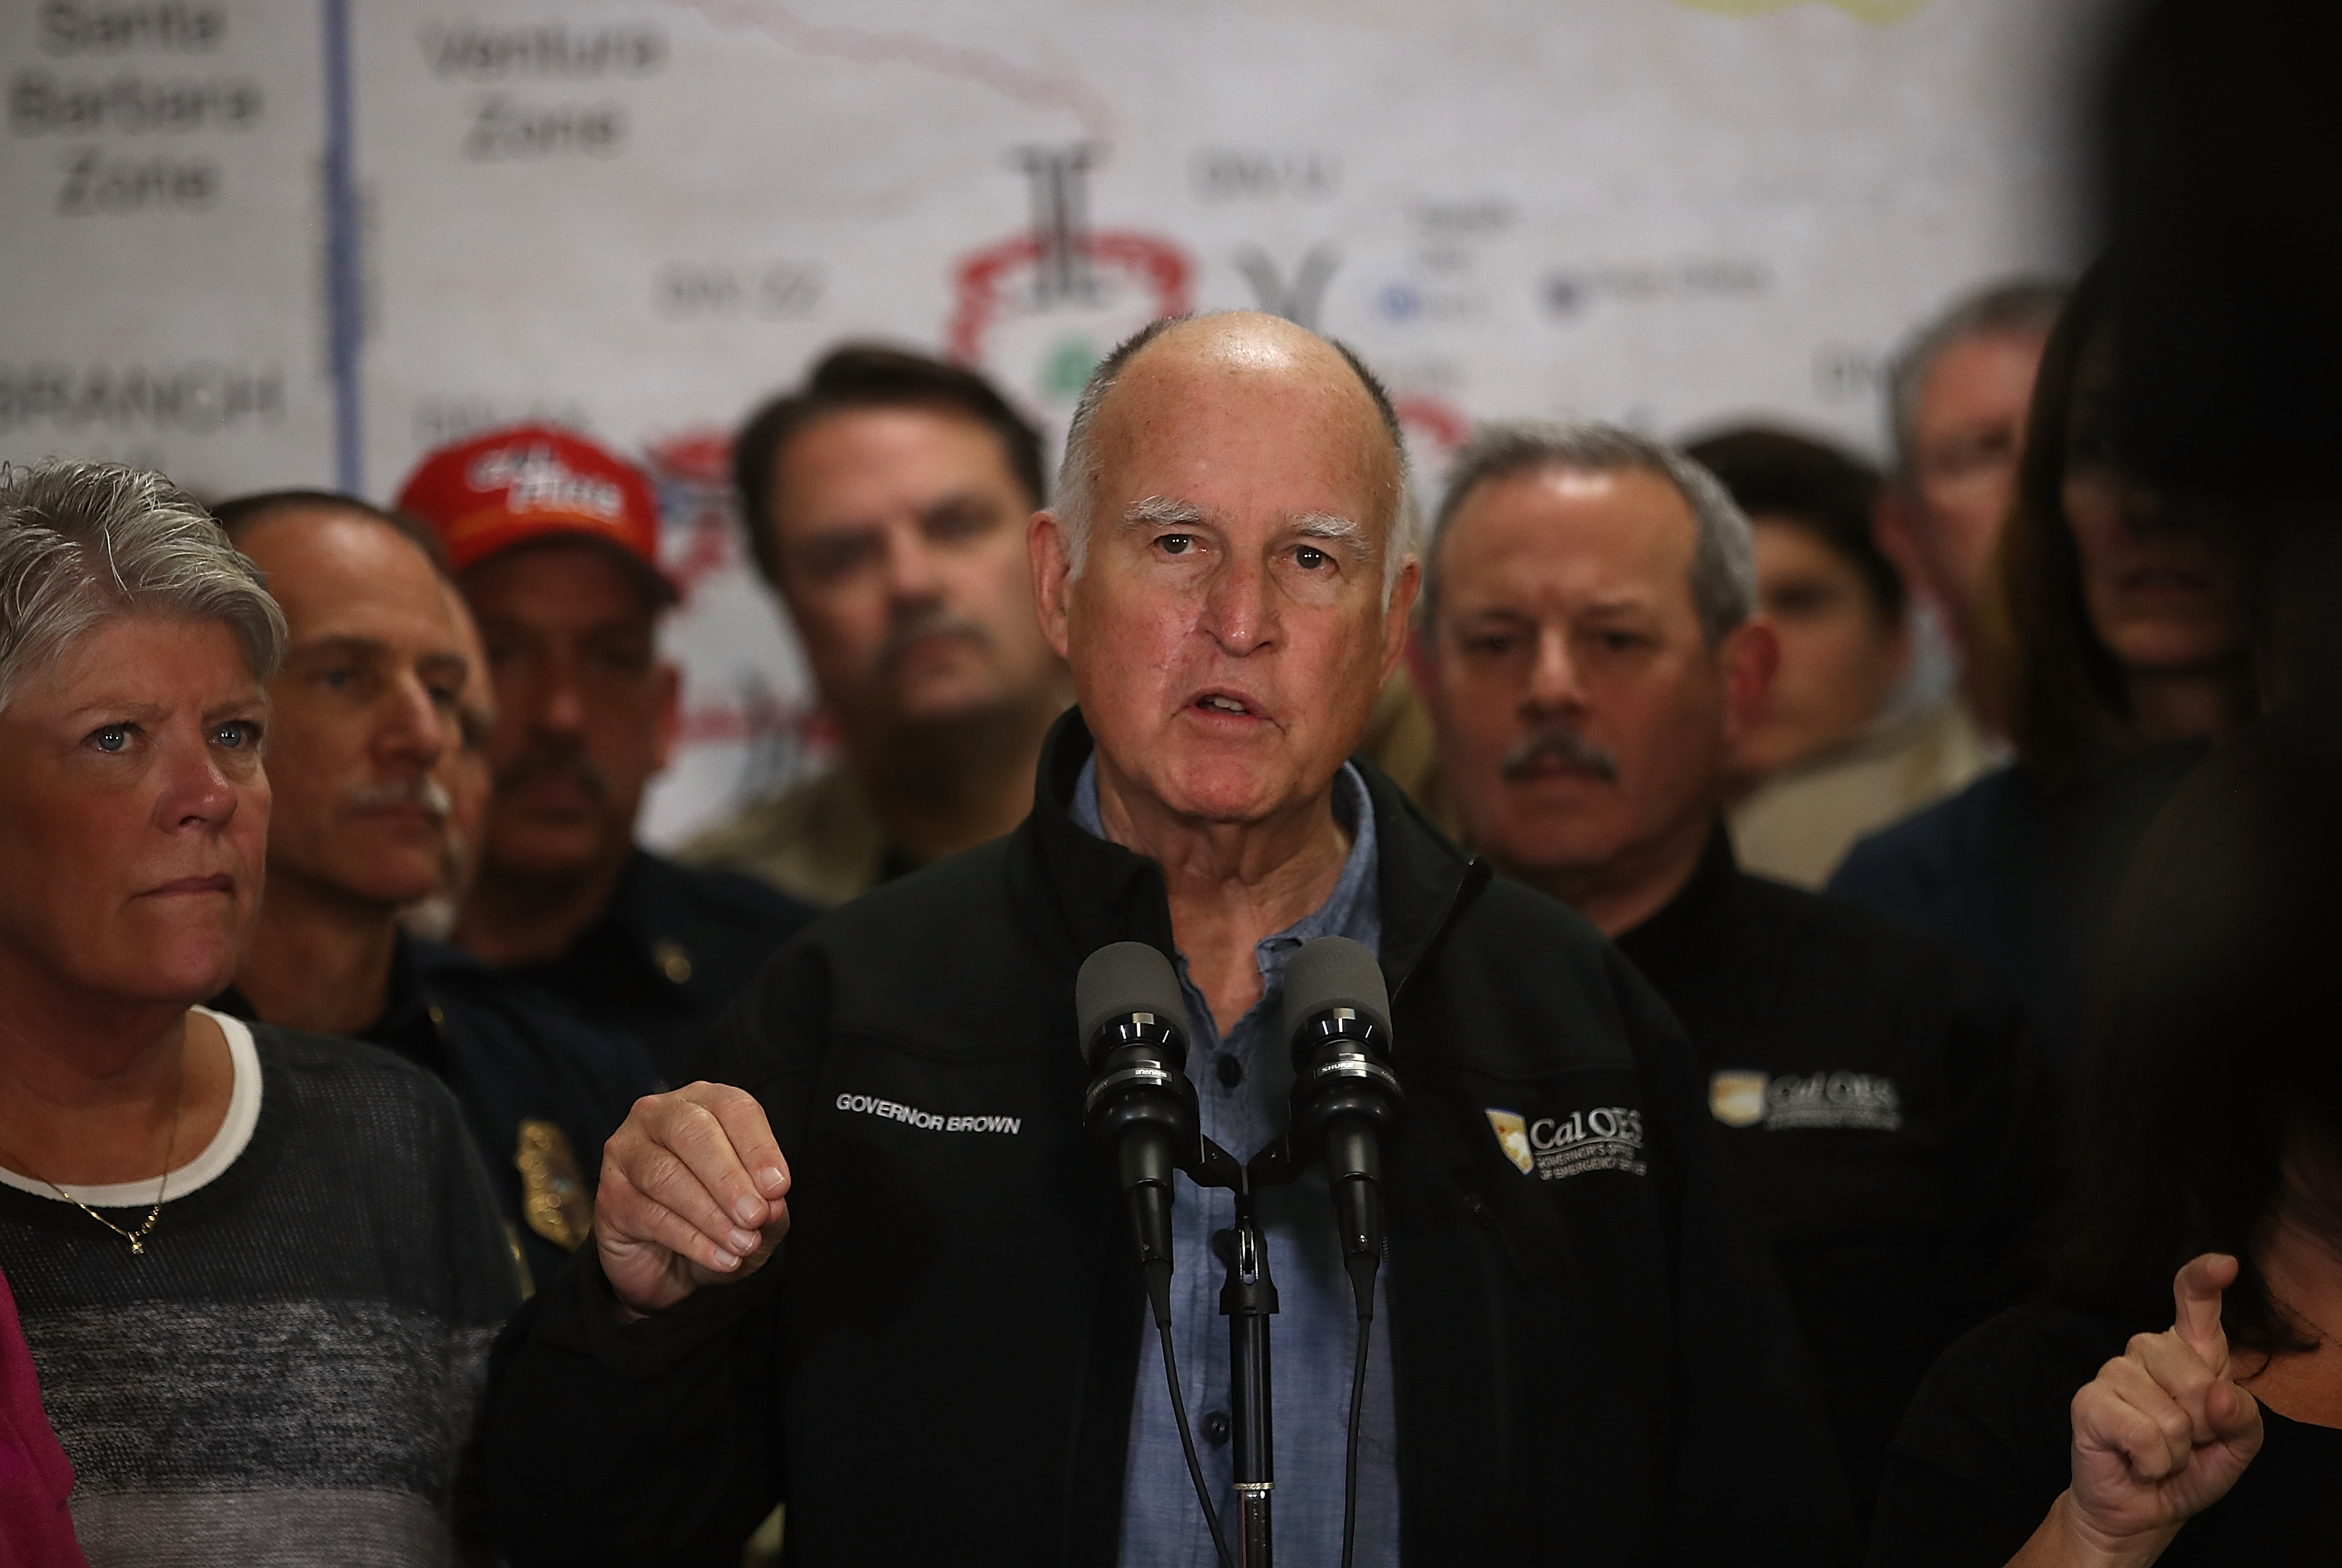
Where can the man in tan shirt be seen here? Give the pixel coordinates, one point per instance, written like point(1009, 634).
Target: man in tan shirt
point(885, 502)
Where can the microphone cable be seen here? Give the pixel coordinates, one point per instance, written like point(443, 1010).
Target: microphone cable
point(1358, 1400)
point(1162, 1302)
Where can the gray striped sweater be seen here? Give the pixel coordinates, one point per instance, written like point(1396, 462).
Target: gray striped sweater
point(292, 1372)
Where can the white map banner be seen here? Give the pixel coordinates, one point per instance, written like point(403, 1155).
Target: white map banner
point(258, 243)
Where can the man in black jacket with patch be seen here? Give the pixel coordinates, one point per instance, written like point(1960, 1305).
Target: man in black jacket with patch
point(1582, 1356)
point(1589, 649)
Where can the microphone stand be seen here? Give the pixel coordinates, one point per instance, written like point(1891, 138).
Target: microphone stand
point(1248, 1300)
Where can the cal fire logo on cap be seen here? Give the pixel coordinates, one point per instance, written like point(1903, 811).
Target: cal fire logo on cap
point(535, 479)
point(1554, 1148)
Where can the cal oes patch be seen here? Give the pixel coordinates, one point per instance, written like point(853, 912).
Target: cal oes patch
point(1805, 1102)
point(1513, 1137)
point(1555, 1148)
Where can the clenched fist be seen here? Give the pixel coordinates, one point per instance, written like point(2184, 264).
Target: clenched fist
point(694, 1193)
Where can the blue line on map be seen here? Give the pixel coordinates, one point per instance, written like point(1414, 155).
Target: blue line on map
point(344, 297)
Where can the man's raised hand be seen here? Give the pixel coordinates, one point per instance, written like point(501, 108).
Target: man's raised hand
point(694, 1193)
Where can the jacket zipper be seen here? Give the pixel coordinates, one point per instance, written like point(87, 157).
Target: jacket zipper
point(1478, 874)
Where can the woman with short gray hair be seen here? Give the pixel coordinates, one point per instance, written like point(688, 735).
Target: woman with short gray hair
point(258, 1271)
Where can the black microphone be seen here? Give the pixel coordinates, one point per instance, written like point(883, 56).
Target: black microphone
point(1345, 1098)
point(1134, 1035)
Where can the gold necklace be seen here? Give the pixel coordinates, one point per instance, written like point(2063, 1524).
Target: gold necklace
point(162, 1191)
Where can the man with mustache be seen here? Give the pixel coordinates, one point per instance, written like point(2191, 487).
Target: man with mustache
point(1590, 650)
point(885, 502)
point(554, 542)
point(365, 720)
point(1579, 1354)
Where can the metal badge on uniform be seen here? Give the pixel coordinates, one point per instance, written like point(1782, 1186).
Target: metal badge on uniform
point(553, 1195)
point(1736, 1099)
point(1513, 1137)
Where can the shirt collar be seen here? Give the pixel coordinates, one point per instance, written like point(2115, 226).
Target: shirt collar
point(1352, 909)
point(1665, 939)
point(1351, 805)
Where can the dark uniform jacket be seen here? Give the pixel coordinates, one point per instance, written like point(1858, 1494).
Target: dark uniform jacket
point(675, 946)
point(541, 1087)
point(1892, 1110)
point(1593, 1361)
point(2021, 872)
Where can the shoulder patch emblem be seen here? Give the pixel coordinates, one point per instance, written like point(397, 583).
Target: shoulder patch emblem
point(1736, 1099)
point(1555, 1148)
point(553, 1195)
point(1805, 1102)
point(1512, 1137)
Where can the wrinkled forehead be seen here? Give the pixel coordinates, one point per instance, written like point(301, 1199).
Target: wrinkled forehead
point(139, 658)
point(328, 568)
point(1245, 410)
point(1557, 528)
point(1992, 366)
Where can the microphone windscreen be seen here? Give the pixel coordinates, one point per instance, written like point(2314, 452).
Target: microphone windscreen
point(1335, 972)
point(1123, 978)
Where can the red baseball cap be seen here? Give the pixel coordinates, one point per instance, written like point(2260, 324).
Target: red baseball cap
point(530, 483)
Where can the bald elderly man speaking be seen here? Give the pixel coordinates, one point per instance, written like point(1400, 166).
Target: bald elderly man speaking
point(1579, 1353)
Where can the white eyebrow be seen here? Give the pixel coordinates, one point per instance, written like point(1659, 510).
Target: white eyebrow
point(1327, 525)
point(1162, 512)
point(1332, 529)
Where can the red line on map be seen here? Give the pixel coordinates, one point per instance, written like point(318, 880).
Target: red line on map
point(865, 46)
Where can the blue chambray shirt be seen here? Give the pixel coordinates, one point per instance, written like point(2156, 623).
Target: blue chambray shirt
point(1313, 1338)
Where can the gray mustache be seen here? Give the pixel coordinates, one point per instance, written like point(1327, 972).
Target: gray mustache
point(1559, 743)
point(426, 792)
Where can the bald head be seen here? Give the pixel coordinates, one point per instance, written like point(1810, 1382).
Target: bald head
point(1227, 570)
point(1310, 392)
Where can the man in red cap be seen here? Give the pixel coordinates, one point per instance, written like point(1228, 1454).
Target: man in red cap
point(554, 541)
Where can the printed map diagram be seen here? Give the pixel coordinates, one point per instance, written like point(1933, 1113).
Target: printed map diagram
point(267, 242)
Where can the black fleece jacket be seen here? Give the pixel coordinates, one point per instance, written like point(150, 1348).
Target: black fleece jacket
point(1595, 1362)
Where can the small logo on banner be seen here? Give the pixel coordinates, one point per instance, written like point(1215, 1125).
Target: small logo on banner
point(1553, 1148)
point(1512, 1137)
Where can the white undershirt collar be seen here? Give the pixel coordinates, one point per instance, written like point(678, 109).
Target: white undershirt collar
point(234, 1134)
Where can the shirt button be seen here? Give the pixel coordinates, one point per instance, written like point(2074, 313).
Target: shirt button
point(1215, 1423)
point(672, 960)
point(1231, 1072)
